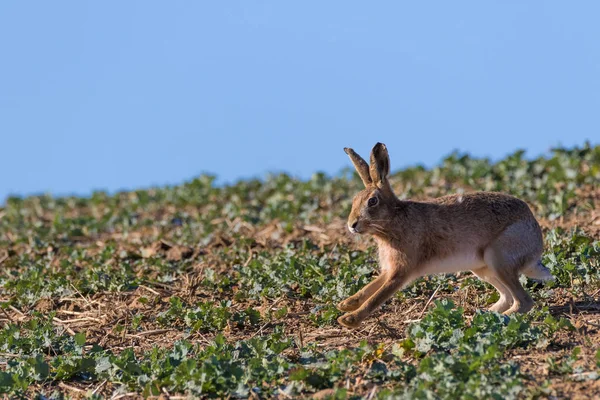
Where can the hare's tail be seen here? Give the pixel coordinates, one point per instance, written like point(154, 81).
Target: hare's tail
point(538, 271)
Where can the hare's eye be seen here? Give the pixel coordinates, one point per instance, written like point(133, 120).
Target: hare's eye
point(372, 201)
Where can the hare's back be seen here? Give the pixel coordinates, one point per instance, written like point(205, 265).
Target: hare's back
point(488, 211)
point(493, 202)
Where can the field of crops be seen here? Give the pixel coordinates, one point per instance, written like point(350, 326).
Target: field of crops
point(205, 291)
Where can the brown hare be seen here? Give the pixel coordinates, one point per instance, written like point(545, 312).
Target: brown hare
point(492, 234)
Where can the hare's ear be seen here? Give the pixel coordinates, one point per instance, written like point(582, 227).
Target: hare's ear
point(380, 164)
point(361, 166)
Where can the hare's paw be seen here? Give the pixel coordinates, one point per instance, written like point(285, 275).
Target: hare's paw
point(520, 307)
point(350, 304)
point(501, 305)
point(349, 321)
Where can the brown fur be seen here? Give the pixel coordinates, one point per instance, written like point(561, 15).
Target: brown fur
point(496, 234)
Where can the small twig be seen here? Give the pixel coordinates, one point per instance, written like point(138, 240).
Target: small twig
point(71, 388)
point(4, 258)
point(75, 300)
point(73, 312)
point(203, 338)
point(249, 260)
point(120, 396)
point(150, 290)
point(301, 337)
point(272, 306)
point(412, 307)
point(592, 295)
point(7, 315)
point(68, 321)
point(429, 301)
point(15, 309)
point(260, 330)
point(66, 327)
point(154, 332)
point(82, 296)
point(148, 333)
point(312, 228)
point(373, 326)
point(163, 285)
point(99, 386)
point(583, 374)
point(332, 250)
point(372, 394)
point(10, 355)
point(592, 324)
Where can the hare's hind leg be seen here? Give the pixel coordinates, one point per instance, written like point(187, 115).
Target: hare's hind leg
point(506, 256)
point(523, 302)
point(506, 300)
point(356, 300)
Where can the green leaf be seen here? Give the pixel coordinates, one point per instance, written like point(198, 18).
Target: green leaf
point(80, 339)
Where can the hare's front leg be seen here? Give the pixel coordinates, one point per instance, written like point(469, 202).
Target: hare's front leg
point(355, 301)
point(394, 282)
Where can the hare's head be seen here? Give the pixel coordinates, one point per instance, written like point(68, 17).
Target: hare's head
point(373, 207)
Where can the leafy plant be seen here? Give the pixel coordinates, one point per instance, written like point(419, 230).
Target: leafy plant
point(216, 291)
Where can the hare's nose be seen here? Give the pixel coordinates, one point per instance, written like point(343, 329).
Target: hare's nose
point(353, 226)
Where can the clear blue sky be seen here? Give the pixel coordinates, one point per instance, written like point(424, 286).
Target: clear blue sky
point(128, 94)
